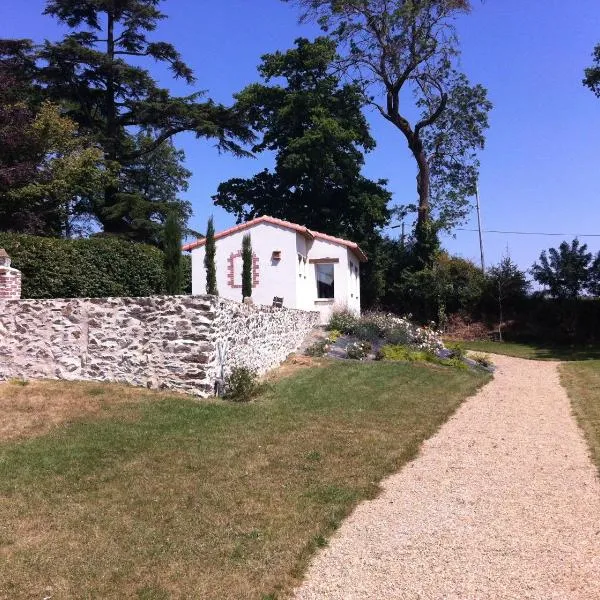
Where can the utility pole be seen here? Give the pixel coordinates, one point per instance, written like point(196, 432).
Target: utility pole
point(479, 227)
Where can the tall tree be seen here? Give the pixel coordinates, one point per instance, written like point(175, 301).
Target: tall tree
point(507, 287)
point(565, 271)
point(318, 133)
point(172, 251)
point(409, 48)
point(210, 251)
point(110, 97)
point(246, 266)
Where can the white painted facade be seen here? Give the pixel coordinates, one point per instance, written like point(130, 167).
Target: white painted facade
point(288, 260)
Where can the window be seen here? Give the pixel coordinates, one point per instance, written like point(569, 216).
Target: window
point(324, 272)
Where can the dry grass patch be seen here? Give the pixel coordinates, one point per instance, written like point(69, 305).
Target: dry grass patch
point(293, 364)
point(212, 500)
point(582, 381)
point(32, 408)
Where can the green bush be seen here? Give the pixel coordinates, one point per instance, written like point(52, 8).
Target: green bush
point(241, 385)
point(366, 330)
point(358, 350)
point(343, 320)
point(483, 360)
point(407, 354)
point(334, 335)
point(457, 350)
point(404, 353)
point(92, 267)
point(319, 348)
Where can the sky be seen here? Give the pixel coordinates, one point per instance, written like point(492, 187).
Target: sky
point(539, 170)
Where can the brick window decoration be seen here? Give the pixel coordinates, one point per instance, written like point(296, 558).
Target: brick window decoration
point(10, 279)
point(236, 256)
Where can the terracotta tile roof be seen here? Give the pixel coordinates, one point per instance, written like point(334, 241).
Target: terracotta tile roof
point(281, 223)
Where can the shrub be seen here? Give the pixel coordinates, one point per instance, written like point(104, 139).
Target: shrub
point(93, 267)
point(343, 320)
point(403, 353)
point(456, 350)
point(457, 363)
point(483, 360)
point(358, 350)
point(334, 335)
point(367, 330)
point(241, 385)
point(407, 354)
point(319, 348)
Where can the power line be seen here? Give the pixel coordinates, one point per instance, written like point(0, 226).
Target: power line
point(531, 232)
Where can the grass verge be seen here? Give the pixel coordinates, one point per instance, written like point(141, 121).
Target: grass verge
point(164, 497)
point(535, 351)
point(582, 381)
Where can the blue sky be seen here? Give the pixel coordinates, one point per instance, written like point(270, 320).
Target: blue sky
point(539, 169)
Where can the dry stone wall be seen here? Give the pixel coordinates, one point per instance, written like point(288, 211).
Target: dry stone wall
point(258, 337)
point(182, 343)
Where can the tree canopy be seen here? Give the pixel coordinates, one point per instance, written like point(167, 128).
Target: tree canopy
point(46, 164)
point(95, 75)
point(398, 49)
point(315, 126)
point(592, 74)
point(567, 271)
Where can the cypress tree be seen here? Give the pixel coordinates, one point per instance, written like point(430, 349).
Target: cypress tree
point(209, 259)
point(172, 248)
point(246, 266)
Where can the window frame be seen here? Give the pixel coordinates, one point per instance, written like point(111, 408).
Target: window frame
point(318, 283)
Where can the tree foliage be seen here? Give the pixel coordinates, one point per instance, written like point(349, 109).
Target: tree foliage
point(507, 290)
point(246, 266)
point(172, 250)
point(46, 165)
point(318, 133)
point(450, 285)
point(210, 251)
point(592, 74)
point(151, 188)
point(409, 47)
point(567, 271)
point(95, 72)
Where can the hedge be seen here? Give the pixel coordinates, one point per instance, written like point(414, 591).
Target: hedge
point(87, 268)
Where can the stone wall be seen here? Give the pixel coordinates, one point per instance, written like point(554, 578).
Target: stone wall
point(258, 337)
point(181, 343)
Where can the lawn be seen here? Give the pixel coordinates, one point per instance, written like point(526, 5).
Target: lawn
point(535, 351)
point(155, 497)
point(582, 381)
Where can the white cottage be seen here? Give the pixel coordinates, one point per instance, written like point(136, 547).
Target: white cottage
point(309, 270)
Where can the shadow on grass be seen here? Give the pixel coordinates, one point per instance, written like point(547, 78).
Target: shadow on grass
point(538, 350)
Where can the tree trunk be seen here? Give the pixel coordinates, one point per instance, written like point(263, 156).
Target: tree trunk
point(110, 223)
point(426, 241)
point(425, 235)
point(423, 186)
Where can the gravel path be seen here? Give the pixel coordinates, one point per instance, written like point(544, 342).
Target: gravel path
point(503, 502)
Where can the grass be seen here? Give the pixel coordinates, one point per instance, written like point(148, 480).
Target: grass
point(536, 351)
point(582, 381)
point(163, 497)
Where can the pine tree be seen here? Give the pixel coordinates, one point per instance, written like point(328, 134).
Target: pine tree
point(246, 266)
point(172, 249)
point(97, 71)
point(209, 259)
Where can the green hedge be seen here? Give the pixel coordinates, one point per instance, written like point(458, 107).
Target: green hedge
point(92, 267)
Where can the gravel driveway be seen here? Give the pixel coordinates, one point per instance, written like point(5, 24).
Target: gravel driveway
point(503, 502)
